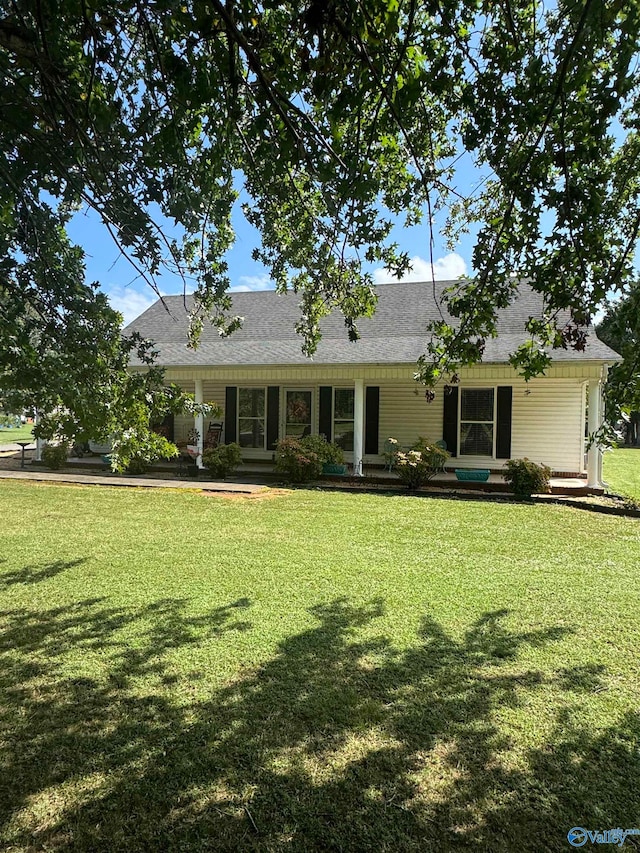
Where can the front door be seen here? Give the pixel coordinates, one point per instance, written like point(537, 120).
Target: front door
point(297, 413)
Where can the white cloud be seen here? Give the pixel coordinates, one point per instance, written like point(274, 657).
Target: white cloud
point(252, 282)
point(449, 268)
point(130, 303)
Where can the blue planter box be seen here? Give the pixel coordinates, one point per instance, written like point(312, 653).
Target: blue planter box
point(333, 468)
point(480, 475)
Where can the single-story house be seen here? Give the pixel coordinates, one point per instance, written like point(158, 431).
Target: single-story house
point(362, 393)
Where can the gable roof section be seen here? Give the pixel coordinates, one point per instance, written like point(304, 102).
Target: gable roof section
point(396, 334)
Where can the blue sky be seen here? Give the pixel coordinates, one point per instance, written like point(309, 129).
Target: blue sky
point(131, 296)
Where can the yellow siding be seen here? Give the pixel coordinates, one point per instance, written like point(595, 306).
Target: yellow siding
point(373, 374)
point(405, 415)
point(548, 423)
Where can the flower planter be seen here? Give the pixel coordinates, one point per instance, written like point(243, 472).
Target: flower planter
point(334, 468)
point(480, 475)
point(102, 449)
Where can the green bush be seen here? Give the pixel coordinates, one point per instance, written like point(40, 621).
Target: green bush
point(222, 460)
point(418, 465)
point(526, 478)
point(433, 454)
point(296, 461)
point(9, 421)
point(301, 460)
point(137, 465)
point(55, 455)
point(329, 453)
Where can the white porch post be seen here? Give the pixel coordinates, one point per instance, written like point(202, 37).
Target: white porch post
point(358, 427)
point(199, 421)
point(594, 455)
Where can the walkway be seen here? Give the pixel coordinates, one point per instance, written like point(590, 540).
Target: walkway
point(96, 478)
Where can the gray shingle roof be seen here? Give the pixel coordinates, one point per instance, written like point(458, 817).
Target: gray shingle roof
point(396, 334)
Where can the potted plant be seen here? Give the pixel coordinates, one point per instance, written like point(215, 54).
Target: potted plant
point(333, 462)
point(330, 454)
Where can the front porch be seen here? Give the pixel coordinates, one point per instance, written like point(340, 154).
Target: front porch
point(373, 477)
point(361, 409)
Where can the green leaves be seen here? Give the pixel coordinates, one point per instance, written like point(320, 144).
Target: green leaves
point(335, 118)
point(620, 329)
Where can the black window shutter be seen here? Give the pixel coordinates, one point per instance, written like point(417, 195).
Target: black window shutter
point(326, 402)
point(450, 419)
point(273, 415)
point(372, 420)
point(503, 421)
point(230, 414)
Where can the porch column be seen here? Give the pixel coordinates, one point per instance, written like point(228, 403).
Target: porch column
point(199, 421)
point(358, 427)
point(594, 455)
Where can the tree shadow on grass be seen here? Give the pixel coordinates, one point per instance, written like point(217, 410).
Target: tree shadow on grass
point(339, 742)
point(38, 573)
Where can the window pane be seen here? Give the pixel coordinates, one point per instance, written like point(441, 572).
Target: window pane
point(343, 434)
point(251, 402)
point(477, 404)
point(343, 404)
point(476, 439)
point(251, 432)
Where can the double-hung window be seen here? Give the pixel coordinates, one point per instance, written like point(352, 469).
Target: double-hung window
point(251, 417)
point(477, 421)
point(343, 408)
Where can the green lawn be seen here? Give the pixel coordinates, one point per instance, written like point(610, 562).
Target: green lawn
point(313, 672)
point(621, 471)
point(23, 433)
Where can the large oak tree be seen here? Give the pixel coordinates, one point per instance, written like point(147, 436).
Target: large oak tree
point(335, 116)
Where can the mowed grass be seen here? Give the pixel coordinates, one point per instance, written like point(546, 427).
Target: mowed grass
point(22, 433)
point(313, 672)
point(621, 471)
